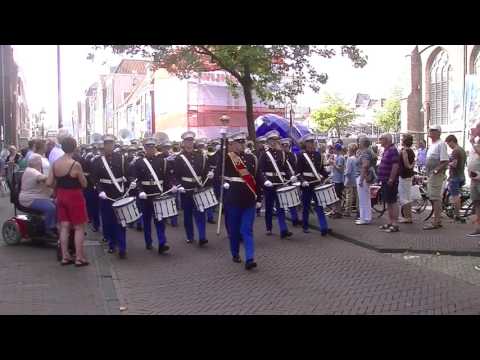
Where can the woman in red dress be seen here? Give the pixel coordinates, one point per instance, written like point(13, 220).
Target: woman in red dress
point(68, 179)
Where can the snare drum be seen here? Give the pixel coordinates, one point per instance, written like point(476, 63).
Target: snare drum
point(126, 211)
point(326, 194)
point(204, 199)
point(164, 207)
point(288, 196)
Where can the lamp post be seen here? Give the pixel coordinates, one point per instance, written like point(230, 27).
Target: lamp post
point(224, 120)
point(59, 87)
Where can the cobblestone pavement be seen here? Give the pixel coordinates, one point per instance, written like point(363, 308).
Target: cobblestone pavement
point(33, 283)
point(307, 274)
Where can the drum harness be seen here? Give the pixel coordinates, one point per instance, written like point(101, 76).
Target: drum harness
point(192, 170)
point(155, 177)
point(314, 170)
point(115, 181)
point(275, 166)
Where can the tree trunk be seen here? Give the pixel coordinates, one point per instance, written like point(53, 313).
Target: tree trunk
point(247, 93)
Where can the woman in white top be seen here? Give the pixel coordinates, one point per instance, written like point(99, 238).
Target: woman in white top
point(35, 194)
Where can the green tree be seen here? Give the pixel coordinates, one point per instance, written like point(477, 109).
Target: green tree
point(335, 114)
point(388, 119)
point(272, 72)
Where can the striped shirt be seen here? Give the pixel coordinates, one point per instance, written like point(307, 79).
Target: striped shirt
point(389, 158)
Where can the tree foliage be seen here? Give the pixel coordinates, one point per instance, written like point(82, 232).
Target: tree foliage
point(388, 119)
point(272, 72)
point(335, 114)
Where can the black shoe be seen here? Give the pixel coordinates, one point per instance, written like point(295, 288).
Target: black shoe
point(163, 248)
point(269, 232)
point(122, 255)
point(211, 221)
point(285, 234)
point(250, 264)
point(202, 242)
point(237, 259)
point(188, 241)
point(94, 230)
point(325, 233)
point(139, 228)
point(306, 231)
point(149, 247)
point(104, 240)
point(111, 251)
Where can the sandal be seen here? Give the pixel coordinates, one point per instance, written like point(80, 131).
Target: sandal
point(67, 262)
point(384, 227)
point(80, 263)
point(393, 228)
point(432, 226)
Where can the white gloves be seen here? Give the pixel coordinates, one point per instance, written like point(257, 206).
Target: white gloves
point(174, 189)
point(248, 151)
point(133, 185)
point(181, 190)
point(259, 205)
point(102, 195)
point(293, 179)
point(305, 184)
point(226, 186)
point(210, 175)
point(268, 183)
point(142, 195)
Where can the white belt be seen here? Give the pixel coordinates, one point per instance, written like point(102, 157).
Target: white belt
point(274, 174)
point(234, 179)
point(187, 179)
point(150, 182)
point(309, 174)
point(107, 181)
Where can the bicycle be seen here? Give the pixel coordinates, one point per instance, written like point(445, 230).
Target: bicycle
point(448, 209)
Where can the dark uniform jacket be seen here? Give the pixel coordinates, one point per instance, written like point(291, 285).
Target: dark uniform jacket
point(118, 165)
point(145, 181)
point(183, 174)
point(305, 171)
point(292, 160)
point(239, 194)
point(87, 169)
point(266, 170)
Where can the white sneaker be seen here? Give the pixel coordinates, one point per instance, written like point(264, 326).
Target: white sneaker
point(362, 222)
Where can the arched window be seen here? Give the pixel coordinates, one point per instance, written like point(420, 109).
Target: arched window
point(476, 64)
point(439, 76)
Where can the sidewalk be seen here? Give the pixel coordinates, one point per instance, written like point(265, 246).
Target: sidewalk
point(32, 282)
point(451, 239)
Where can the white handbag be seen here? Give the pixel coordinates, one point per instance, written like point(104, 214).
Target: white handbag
point(415, 193)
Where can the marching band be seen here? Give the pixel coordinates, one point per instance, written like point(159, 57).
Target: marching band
point(134, 184)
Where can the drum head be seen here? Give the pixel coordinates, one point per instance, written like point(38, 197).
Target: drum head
point(123, 202)
point(286, 188)
point(322, 187)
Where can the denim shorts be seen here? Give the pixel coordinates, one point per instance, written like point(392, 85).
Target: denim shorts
point(454, 185)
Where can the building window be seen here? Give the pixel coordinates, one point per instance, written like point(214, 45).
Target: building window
point(439, 78)
point(476, 64)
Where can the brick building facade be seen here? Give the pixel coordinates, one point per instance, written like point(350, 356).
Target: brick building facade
point(437, 91)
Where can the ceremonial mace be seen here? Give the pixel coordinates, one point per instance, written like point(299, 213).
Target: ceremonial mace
point(224, 120)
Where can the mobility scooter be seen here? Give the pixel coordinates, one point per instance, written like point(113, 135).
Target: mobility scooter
point(28, 224)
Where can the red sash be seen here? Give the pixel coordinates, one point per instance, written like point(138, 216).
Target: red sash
point(242, 170)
